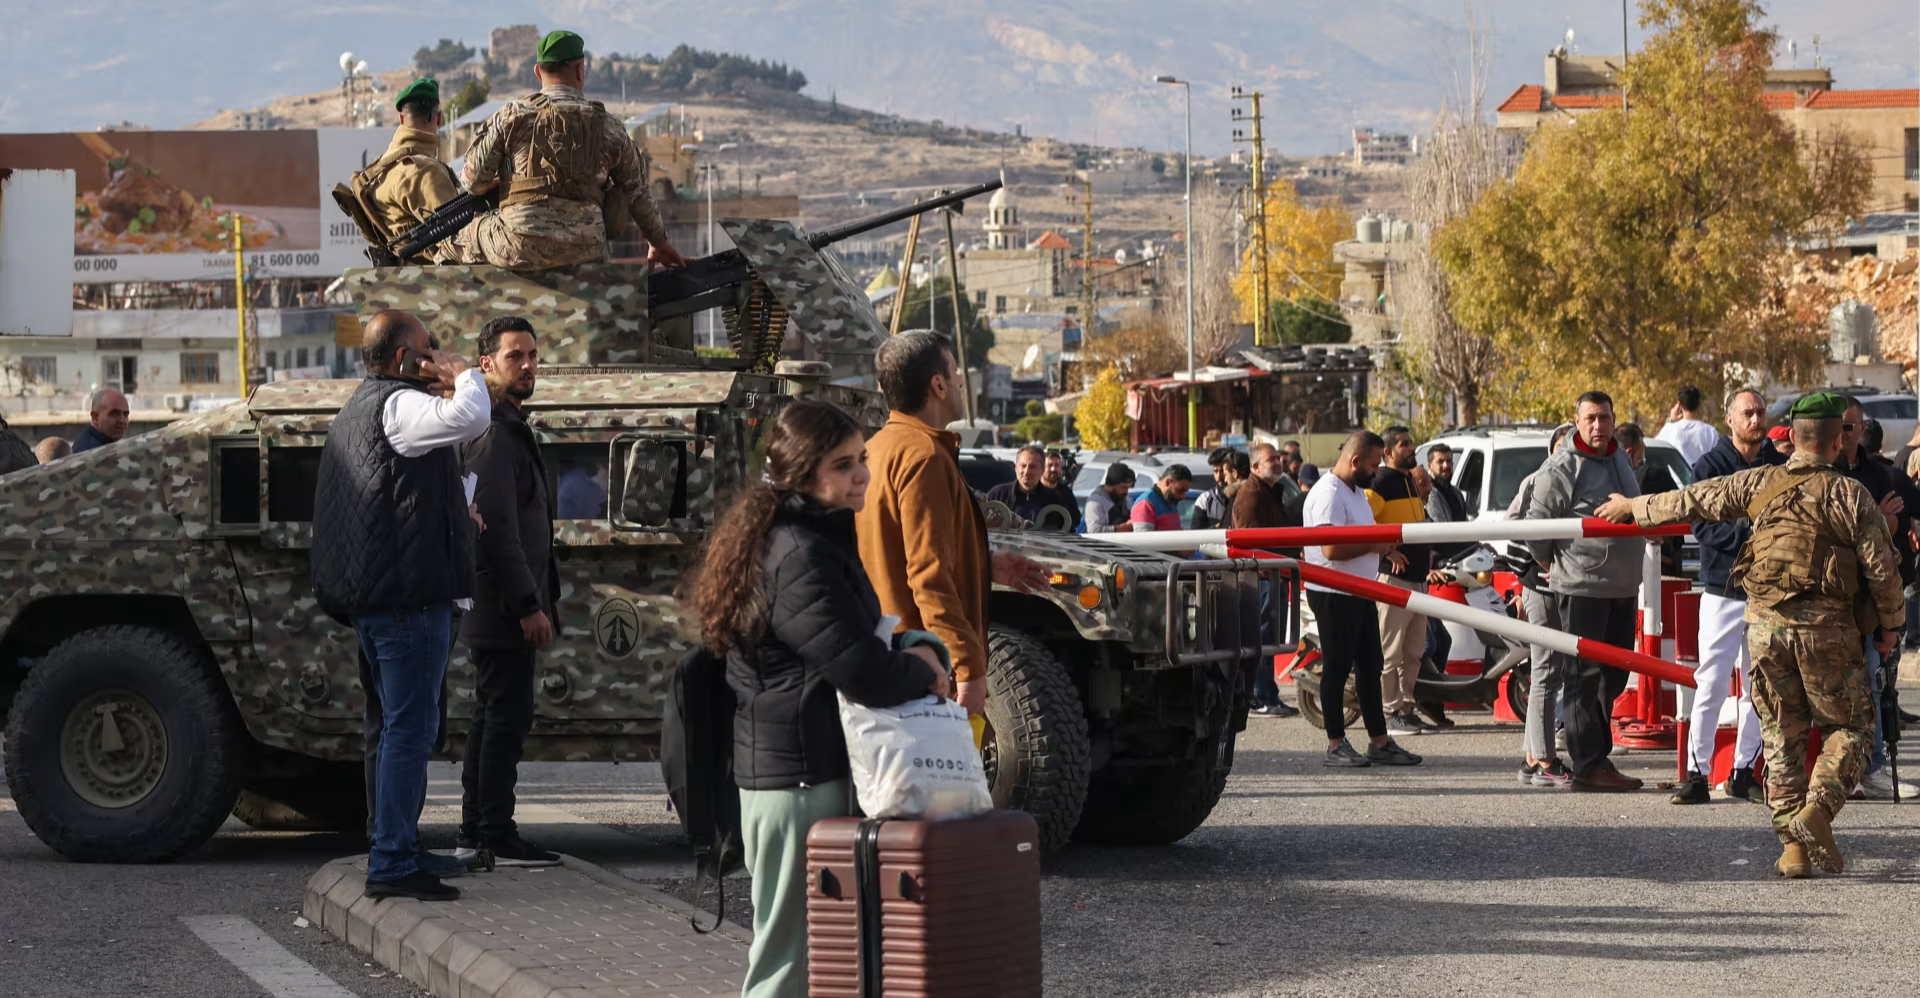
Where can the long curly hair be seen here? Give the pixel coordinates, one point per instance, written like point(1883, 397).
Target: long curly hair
point(728, 584)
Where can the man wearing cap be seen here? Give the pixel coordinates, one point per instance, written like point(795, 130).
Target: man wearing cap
point(1107, 509)
point(1819, 571)
point(404, 186)
point(568, 176)
point(1782, 439)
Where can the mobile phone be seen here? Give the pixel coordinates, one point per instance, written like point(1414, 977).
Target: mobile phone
point(410, 362)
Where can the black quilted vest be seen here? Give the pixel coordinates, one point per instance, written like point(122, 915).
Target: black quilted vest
point(389, 532)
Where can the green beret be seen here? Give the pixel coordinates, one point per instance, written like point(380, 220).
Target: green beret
point(561, 46)
point(425, 86)
point(1820, 405)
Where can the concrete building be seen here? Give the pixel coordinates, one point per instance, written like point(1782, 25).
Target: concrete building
point(1882, 120)
point(1374, 150)
point(1004, 281)
point(1003, 221)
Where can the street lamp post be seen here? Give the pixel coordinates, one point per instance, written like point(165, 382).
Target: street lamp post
point(713, 338)
point(1193, 381)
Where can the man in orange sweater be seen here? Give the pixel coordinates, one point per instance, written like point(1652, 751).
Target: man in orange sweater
point(923, 539)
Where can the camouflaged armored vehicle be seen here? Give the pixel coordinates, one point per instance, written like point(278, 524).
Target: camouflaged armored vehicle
point(164, 663)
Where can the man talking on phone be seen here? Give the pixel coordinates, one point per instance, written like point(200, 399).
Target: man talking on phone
point(392, 551)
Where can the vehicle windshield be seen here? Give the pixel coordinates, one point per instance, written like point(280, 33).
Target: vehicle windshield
point(1893, 408)
point(1510, 466)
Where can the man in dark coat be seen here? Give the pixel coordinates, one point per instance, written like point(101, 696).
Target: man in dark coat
point(516, 586)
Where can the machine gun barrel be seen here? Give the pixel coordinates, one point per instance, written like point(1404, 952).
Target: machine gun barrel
point(827, 237)
point(712, 281)
point(440, 226)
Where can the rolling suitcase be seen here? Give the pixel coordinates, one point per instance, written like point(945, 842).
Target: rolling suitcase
point(924, 909)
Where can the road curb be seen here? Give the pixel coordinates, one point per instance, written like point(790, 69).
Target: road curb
point(443, 948)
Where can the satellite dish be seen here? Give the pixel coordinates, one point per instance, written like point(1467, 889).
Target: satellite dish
point(1033, 354)
point(1119, 256)
point(1569, 39)
point(360, 67)
point(346, 62)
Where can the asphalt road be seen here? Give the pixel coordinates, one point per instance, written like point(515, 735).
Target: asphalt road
point(1448, 879)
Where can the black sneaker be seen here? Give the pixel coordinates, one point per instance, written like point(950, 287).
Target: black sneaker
point(1281, 708)
point(1403, 724)
point(1342, 756)
point(1694, 791)
point(1436, 713)
point(517, 851)
point(417, 885)
point(436, 864)
point(1553, 776)
point(1742, 785)
point(1528, 772)
point(1391, 754)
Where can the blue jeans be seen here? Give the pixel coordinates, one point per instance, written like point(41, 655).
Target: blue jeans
point(406, 654)
point(1879, 758)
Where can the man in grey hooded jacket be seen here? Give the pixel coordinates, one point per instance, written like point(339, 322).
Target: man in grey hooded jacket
point(1594, 583)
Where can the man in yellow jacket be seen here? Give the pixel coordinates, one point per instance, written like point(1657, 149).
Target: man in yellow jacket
point(923, 539)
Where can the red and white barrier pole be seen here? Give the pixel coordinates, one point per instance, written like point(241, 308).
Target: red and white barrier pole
point(1521, 631)
point(1393, 533)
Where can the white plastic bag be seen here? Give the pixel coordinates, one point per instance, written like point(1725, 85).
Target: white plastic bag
point(915, 761)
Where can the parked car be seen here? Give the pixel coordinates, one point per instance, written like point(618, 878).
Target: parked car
point(1490, 462)
point(983, 470)
point(1897, 414)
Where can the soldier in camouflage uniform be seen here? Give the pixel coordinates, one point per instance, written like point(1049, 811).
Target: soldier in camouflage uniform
point(569, 175)
point(404, 186)
point(1819, 569)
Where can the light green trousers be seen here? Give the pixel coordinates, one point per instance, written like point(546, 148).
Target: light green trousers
point(774, 824)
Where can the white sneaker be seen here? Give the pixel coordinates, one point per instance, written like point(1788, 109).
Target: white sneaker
point(1879, 786)
point(466, 854)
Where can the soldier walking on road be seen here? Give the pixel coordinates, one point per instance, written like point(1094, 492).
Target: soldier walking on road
point(1819, 570)
point(569, 175)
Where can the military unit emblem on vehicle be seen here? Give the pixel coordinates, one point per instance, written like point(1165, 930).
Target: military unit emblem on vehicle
point(166, 664)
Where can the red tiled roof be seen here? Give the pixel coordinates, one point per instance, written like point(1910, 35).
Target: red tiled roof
point(1585, 102)
point(1831, 100)
point(1527, 98)
point(1779, 100)
point(1050, 241)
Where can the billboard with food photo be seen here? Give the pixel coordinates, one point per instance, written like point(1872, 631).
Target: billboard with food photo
point(156, 206)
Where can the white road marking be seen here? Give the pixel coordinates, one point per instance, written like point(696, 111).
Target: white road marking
point(258, 956)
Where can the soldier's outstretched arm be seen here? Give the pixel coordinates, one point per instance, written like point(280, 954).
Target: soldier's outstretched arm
point(628, 175)
point(1712, 501)
point(1879, 560)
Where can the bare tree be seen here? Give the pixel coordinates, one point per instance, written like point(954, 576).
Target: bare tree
point(1464, 156)
point(1216, 312)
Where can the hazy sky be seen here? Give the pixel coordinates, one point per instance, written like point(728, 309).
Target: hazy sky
point(1074, 68)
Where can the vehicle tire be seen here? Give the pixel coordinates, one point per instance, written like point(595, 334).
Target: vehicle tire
point(1306, 685)
point(1156, 805)
point(1519, 684)
point(1036, 750)
point(123, 747)
point(332, 798)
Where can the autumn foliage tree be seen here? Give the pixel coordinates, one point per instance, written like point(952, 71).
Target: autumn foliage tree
point(1630, 250)
point(1300, 263)
point(1101, 416)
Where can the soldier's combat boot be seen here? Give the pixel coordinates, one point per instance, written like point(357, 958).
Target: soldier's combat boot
point(1793, 863)
point(1694, 791)
point(1813, 827)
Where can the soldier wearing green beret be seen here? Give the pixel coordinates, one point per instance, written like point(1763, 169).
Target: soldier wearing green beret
point(569, 175)
point(404, 186)
point(1819, 571)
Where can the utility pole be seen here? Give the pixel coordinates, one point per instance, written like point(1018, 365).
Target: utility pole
point(959, 326)
point(239, 299)
point(1257, 218)
point(1193, 381)
point(1086, 266)
point(906, 274)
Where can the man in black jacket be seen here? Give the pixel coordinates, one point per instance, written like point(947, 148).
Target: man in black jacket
point(1028, 495)
point(392, 553)
point(1723, 627)
point(1899, 500)
point(515, 590)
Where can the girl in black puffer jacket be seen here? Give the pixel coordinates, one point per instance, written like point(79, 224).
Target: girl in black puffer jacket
point(781, 593)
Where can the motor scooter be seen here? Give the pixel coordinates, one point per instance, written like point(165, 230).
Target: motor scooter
point(1472, 572)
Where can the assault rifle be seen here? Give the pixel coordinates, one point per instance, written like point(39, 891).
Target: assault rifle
point(440, 226)
point(1888, 700)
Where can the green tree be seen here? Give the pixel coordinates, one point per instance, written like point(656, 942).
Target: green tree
point(1039, 425)
point(442, 58)
point(1309, 320)
point(1629, 253)
point(979, 334)
point(1101, 416)
point(471, 94)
